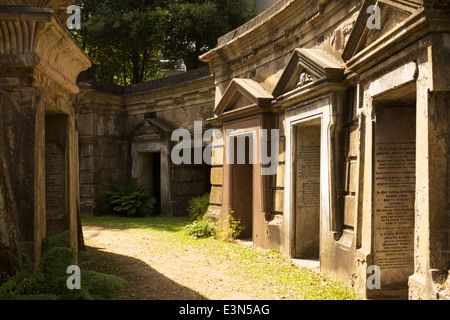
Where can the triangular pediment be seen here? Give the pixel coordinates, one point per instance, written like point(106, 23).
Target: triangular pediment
point(308, 67)
point(151, 129)
point(242, 94)
point(392, 15)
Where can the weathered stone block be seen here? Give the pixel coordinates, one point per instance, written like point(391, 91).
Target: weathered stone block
point(282, 154)
point(217, 141)
point(122, 163)
point(86, 164)
point(108, 163)
point(353, 177)
point(281, 125)
point(217, 176)
point(278, 201)
point(85, 125)
point(121, 176)
point(180, 174)
point(353, 142)
point(213, 214)
point(274, 232)
point(86, 191)
point(86, 150)
point(217, 156)
point(216, 195)
point(86, 177)
point(350, 211)
point(280, 177)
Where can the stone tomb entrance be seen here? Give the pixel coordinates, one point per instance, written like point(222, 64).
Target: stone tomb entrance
point(150, 152)
point(150, 175)
point(307, 189)
point(241, 114)
point(394, 186)
point(242, 169)
point(56, 173)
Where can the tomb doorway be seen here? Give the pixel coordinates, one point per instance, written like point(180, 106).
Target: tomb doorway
point(56, 174)
point(242, 184)
point(307, 190)
point(151, 176)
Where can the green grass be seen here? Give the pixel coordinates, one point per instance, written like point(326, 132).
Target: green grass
point(267, 271)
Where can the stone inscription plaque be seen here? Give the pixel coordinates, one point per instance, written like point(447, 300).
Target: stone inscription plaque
point(394, 194)
point(308, 176)
point(55, 180)
point(307, 191)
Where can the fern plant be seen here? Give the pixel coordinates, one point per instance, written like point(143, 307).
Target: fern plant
point(48, 280)
point(131, 200)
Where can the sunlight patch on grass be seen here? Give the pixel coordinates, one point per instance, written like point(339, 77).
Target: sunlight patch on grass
point(264, 270)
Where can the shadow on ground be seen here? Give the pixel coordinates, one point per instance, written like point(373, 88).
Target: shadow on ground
point(144, 282)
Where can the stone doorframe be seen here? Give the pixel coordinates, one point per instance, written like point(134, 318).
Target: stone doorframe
point(320, 109)
point(245, 109)
point(311, 88)
point(153, 137)
point(248, 127)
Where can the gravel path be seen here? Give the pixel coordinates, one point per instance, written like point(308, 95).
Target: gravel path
point(156, 274)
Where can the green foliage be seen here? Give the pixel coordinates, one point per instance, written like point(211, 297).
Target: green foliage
point(48, 280)
point(232, 229)
point(200, 229)
point(131, 200)
point(198, 206)
point(196, 26)
point(124, 39)
point(204, 228)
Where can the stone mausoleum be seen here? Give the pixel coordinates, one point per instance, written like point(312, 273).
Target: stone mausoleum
point(126, 132)
point(360, 96)
point(358, 92)
point(39, 106)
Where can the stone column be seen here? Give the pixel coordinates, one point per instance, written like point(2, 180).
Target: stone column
point(433, 157)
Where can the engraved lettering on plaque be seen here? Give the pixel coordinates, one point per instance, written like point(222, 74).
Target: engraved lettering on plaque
point(55, 186)
point(307, 191)
point(394, 194)
point(308, 176)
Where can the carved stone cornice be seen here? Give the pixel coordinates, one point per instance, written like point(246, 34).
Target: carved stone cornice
point(59, 7)
point(32, 37)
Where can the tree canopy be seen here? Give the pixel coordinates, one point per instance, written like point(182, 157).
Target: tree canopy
point(125, 39)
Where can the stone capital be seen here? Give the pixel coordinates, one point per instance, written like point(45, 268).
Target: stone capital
point(34, 37)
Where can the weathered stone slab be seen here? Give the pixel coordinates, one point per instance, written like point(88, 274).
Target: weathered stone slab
point(307, 191)
point(394, 79)
point(278, 201)
point(394, 194)
point(279, 183)
point(217, 176)
point(55, 182)
point(217, 156)
point(216, 195)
